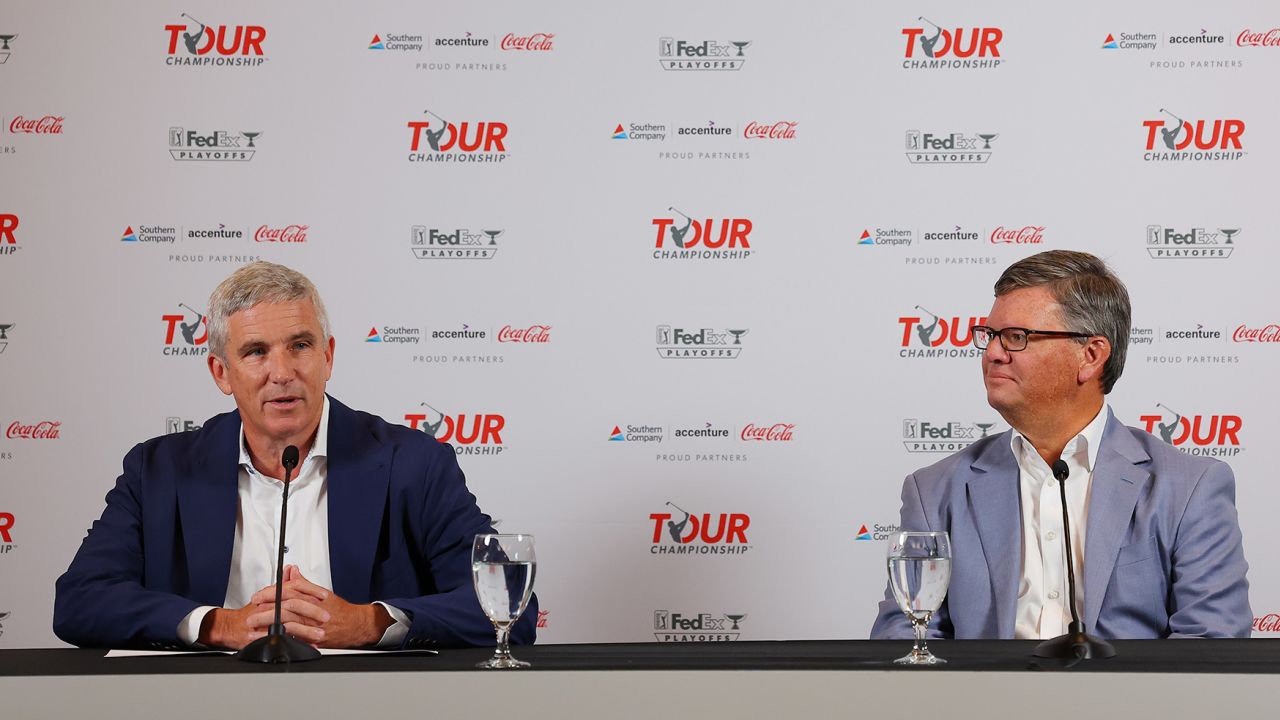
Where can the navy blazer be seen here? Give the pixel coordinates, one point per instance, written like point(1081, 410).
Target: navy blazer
point(401, 524)
point(1163, 552)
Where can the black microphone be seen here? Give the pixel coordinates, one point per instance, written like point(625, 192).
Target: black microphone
point(276, 646)
point(1076, 643)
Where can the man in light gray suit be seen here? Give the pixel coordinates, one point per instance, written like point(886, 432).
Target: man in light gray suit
point(1154, 531)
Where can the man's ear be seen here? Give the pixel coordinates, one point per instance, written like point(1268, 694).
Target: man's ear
point(1097, 350)
point(218, 369)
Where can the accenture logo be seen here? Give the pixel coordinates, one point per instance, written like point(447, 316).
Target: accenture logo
point(467, 141)
point(1195, 243)
point(932, 47)
point(215, 146)
point(954, 148)
point(428, 243)
point(675, 343)
point(671, 626)
point(701, 55)
point(195, 44)
point(1193, 140)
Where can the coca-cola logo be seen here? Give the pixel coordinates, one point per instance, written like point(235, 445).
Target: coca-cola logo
point(46, 430)
point(1267, 623)
point(1249, 38)
point(1267, 333)
point(781, 130)
point(531, 334)
point(542, 618)
point(777, 432)
point(286, 234)
point(1026, 235)
point(47, 125)
point(537, 42)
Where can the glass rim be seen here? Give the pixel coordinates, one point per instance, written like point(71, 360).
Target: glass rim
point(504, 535)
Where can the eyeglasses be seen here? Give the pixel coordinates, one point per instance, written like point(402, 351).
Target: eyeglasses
point(1013, 339)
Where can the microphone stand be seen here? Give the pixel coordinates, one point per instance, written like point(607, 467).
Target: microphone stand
point(1076, 644)
point(276, 646)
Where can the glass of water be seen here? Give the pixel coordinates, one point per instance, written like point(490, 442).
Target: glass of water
point(919, 573)
point(503, 567)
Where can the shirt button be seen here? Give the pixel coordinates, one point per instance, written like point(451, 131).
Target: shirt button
point(1051, 535)
point(1053, 594)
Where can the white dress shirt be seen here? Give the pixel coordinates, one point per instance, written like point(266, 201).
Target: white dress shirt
point(1043, 609)
point(306, 544)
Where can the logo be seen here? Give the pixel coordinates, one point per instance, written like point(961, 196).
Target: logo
point(286, 234)
point(938, 338)
point(198, 45)
point(466, 333)
point(863, 534)
point(399, 334)
point(1131, 41)
point(542, 618)
point(699, 534)
point(537, 42)
point(780, 130)
point(176, 425)
point(1264, 334)
point(961, 48)
point(4, 335)
point(1207, 435)
point(880, 532)
point(466, 141)
point(886, 236)
point(706, 431)
point(705, 55)
point(1268, 623)
point(150, 234)
point(453, 243)
point(637, 433)
point(679, 344)
point(671, 626)
point(1198, 334)
point(397, 43)
point(720, 239)
point(47, 125)
point(923, 436)
point(44, 430)
point(6, 532)
point(1026, 235)
point(3, 615)
point(471, 434)
point(195, 333)
point(777, 432)
point(5, 39)
point(924, 148)
point(531, 334)
point(217, 146)
point(645, 132)
point(1250, 38)
point(1165, 243)
point(8, 234)
point(1203, 38)
point(1193, 140)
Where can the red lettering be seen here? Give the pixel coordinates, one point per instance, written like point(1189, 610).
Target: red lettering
point(659, 519)
point(173, 321)
point(8, 224)
point(6, 524)
point(174, 31)
point(738, 523)
point(415, 420)
point(911, 33)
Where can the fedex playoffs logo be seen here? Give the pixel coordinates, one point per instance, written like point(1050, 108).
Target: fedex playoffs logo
point(1209, 435)
point(931, 46)
point(465, 141)
point(1175, 139)
point(682, 237)
point(931, 335)
point(684, 533)
point(195, 43)
point(471, 433)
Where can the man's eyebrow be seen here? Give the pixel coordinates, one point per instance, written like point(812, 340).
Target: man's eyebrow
point(304, 335)
point(251, 345)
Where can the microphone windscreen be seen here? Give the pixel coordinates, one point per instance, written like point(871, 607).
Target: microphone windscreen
point(290, 457)
point(1060, 469)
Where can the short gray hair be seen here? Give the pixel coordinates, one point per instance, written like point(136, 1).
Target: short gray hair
point(1092, 298)
point(255, 283)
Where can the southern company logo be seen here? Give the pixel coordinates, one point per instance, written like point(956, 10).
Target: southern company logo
point(924, 148)
point(471, 434)
point(397, 42)
point(194, 332)
point(637, 433)
point(678, 238)
point(975, 48)
point(923, 436)
point(1207, 435)
point(1166, 243)
point(453, 243)
point(701, 55)
point(671, 626)
point(216, 146)
point(940, 337)
point(1131, 41)
point(198, 45)
point(9, 234)
point(699, 534)
point(880, 532)
point(1198, 140)
point(466, 141)
point(705, 343)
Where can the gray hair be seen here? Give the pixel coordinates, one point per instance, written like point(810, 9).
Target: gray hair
point(1092, 298)
point(255, 283)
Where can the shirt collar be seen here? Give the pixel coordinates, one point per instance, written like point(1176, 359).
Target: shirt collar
point(320, 449)
point(1084, 446)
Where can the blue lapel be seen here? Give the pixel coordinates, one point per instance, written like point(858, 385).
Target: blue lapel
point(995, 501)
point(1118, 480)
point(208, 499)
point(359, 477)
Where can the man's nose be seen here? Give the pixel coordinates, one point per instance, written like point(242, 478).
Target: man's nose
point(995, 352)
point(280, 367)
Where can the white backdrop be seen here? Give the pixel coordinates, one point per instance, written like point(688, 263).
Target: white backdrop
point(830, 370)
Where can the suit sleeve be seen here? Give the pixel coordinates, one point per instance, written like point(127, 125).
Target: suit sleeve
point(1210, 594)
point(449, 521)
point(890, 621)
point(100, 600)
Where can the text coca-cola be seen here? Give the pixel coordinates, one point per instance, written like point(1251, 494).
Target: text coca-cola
point(47, 125)
point(531, 334)
point(1249, 38)
point(1026, 235)
point(286, 234)
point(781, 130)
point(778, 432)
point(47, 430)
point(537, 42)
point(1268, 333)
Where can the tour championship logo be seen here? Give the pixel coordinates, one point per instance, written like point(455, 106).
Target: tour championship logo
point(929, 335)
point(41, 125)
point(9, 234)
point(932, 47)
point(681, 237)
point(768, 432)
point(676, 343)
point(176, 425)
point(1247, 38)
point(43, 430)
point(699, 55)
point(185, 333)
point(470, 433)
point(1207, 435)
point(671, 626)
point(1194, 243)
point(431, 243)
point(924, 436)
point(6, 532)
point(637, 434)
point(212, 145)
point(949, 148)
point(195, 44)
point(779, 130)
point(465, 141)
point(1173, 139)
point(5, 40)
point(679, 532)
point(1269, 333)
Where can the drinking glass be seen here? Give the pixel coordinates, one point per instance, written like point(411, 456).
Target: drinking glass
point(502, 567)
point(919, 573)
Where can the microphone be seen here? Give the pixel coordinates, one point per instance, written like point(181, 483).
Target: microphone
point(276, 646)
point(1076, 644)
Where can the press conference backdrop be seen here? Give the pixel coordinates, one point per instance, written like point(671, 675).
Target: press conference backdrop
point(633, 261)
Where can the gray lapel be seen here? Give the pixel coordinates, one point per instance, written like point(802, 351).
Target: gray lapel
point(994, 498)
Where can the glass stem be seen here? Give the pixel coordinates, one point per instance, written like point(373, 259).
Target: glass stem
point(503, 651)
point(921, 626)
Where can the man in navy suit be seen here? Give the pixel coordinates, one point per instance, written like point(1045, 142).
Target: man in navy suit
point(1154, 531)
point(381, 522)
